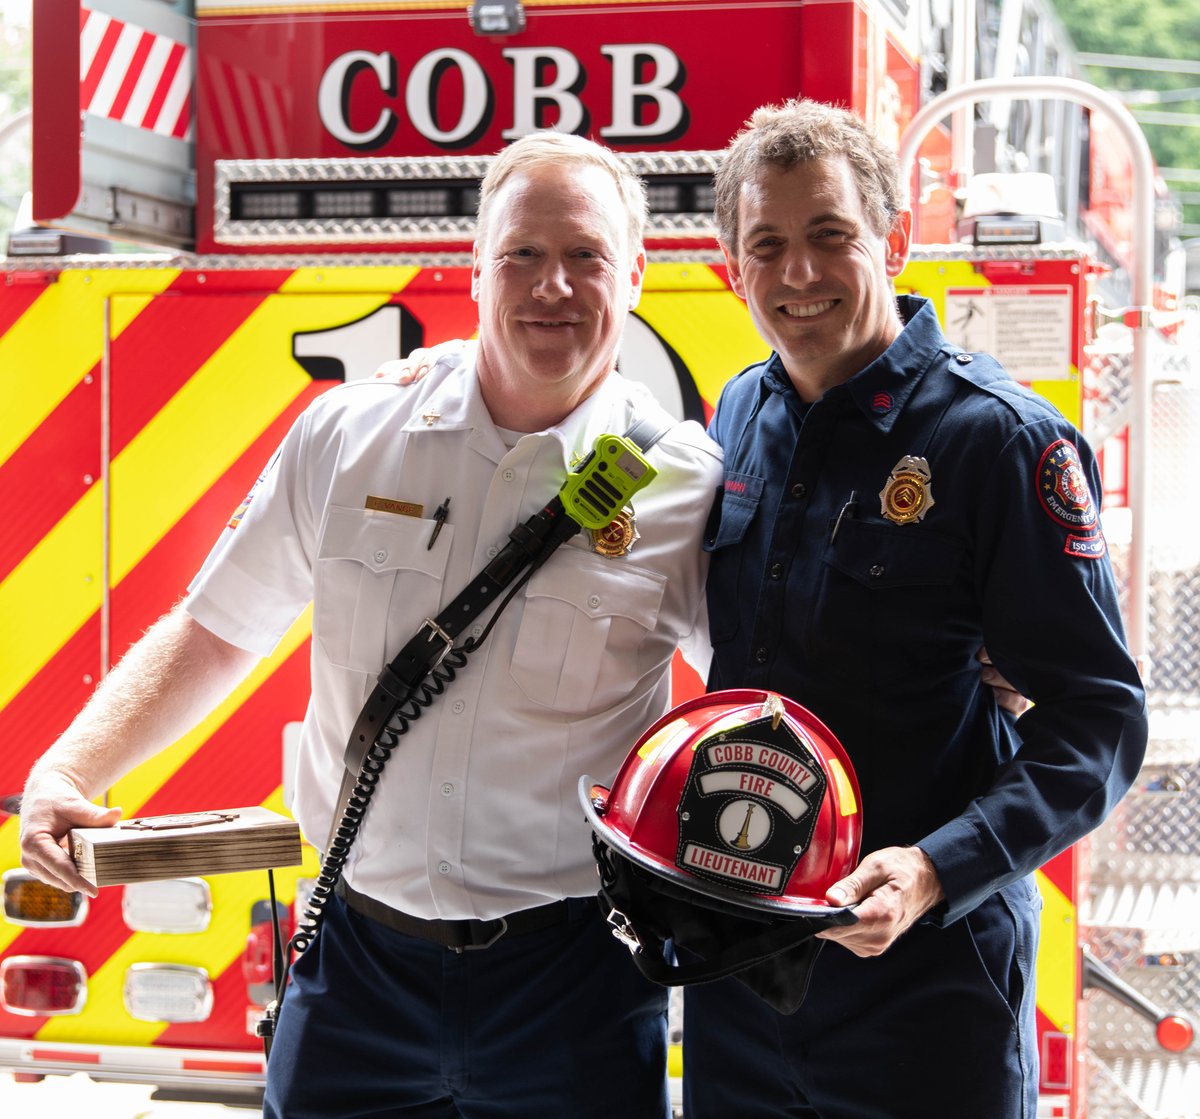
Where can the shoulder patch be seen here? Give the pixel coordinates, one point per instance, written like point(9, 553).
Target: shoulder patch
point(1086, 547)
point(1062, 487)
point(240, 511)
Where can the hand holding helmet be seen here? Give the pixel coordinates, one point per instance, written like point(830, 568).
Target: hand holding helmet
point(724, 828)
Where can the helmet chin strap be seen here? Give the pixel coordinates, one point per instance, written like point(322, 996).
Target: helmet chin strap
point(645, 912)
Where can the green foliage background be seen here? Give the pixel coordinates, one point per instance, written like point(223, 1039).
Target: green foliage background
point(1153, 29)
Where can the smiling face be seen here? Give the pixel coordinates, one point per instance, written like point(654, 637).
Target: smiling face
point(814, 274)
point(555, 278)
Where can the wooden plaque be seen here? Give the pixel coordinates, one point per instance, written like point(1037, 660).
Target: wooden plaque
point(186, 845)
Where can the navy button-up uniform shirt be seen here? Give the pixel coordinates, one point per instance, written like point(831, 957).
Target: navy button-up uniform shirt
point(874, 622)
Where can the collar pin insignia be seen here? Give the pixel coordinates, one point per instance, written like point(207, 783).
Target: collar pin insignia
point(430, 416)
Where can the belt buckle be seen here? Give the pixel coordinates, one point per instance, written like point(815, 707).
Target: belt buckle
point(487, 943)
point(436, 631)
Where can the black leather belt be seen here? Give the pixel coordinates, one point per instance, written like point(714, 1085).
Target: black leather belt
point(468, 934)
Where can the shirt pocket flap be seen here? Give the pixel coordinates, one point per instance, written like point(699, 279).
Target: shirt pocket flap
point(600, 588)
point(733, 511)
point(901, 556)
point(585, 622)
point(383, 541)
point(376, 580)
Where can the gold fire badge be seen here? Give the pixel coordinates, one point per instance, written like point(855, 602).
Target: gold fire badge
point(617, 537)
point(907, 496)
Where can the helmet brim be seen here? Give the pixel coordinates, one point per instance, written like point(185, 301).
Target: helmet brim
point(731, 900)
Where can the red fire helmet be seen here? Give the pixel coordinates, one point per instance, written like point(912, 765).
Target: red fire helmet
point(742, 795)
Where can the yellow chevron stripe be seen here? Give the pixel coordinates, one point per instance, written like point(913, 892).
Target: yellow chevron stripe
point(46, 352)
point(51, 593)
point(213, 418)
point(1057, 961)
point(348, 280)
point(162, 472)
point(726, 343)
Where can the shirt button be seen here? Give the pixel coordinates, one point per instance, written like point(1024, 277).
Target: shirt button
point(492, 553)
point(876, 571)
point(380, 555)
point(760, 655)
point(776, 570)
point(594, 601)
point(477, 631)
point(964, 359)
point(509, 475)
point(798, 490)
point(447, 789)
point(459, 706)
point(444, 868)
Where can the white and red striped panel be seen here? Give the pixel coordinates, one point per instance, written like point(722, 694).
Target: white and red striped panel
point(134, 76)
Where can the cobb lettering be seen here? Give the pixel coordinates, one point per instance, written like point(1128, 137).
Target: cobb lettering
point(765, 756)
point(646, 79)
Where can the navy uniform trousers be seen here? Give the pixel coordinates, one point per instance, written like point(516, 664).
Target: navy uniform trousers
point(942, 1024)
point(545, 1025)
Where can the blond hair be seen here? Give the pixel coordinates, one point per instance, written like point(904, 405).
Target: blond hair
point(549, 148)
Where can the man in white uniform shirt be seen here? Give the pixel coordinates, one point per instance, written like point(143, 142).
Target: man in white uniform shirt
point(476, 816)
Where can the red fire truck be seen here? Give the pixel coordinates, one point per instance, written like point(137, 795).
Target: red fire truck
point(243, 202)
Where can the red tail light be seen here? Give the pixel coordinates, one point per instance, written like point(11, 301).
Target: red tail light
point(42, 985)
point(260, 944)
point(1056, 1061)
point(1174, 1033)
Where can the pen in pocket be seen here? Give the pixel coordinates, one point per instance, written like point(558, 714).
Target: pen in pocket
point(439, 518)
point(848, 510)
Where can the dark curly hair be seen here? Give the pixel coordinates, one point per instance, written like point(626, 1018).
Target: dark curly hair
point(799, 130)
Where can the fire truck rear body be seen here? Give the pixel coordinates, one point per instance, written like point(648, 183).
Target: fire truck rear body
point(311, 170)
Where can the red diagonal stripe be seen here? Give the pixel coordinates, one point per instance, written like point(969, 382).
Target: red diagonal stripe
point(132, 76)
point(46, 475)
point(238, 110)
point(150, 119)
point(159, 579)
point(41, 711)
point(211, 122)
point(16, 299)
point(173, 336)
point(91, 80)
point(184, 121)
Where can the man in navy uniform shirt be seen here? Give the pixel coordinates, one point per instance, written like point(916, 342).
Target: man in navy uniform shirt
point(891, 504)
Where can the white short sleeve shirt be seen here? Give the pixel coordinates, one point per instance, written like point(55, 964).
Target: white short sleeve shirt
point(477, 812)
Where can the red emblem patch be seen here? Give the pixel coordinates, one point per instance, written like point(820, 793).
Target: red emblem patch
point(1062, 487)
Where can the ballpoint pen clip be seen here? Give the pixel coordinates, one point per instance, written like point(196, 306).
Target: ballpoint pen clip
point(439, 518)
point(847, 510)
